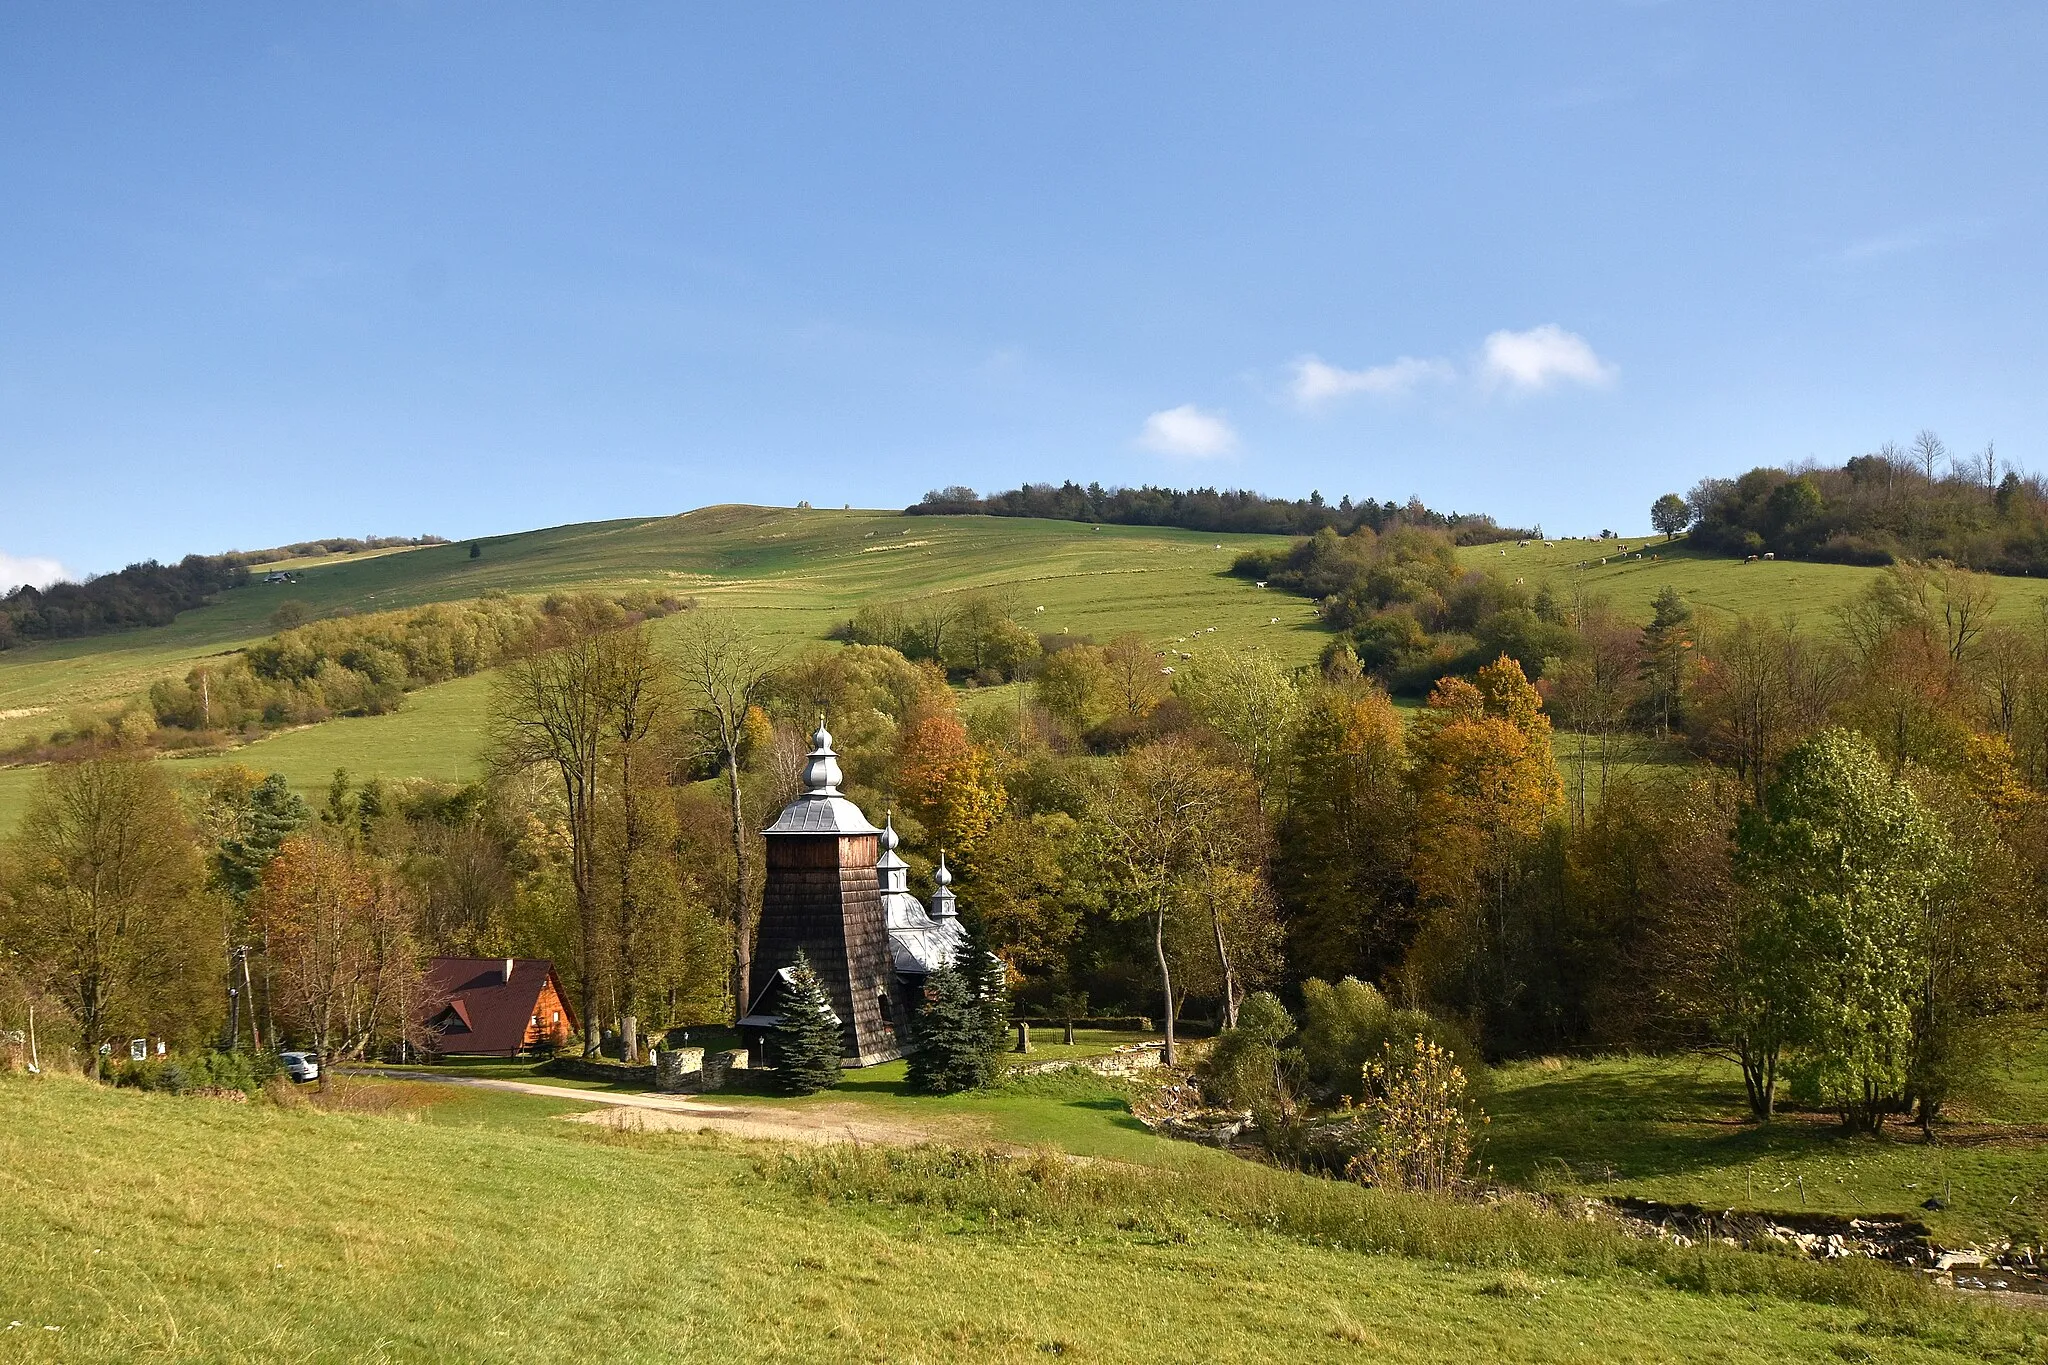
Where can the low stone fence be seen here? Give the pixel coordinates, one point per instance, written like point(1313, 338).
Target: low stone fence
point(1121, 1062)
point(692, 1070)
point(594, 1069)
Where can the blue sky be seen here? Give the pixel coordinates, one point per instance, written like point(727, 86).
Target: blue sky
point(270, 272)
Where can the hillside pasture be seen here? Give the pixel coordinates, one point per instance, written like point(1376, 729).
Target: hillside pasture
point(422, 1226)
point(795, 573)
point(1713, 584)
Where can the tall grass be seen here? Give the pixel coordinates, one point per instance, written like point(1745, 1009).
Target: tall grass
point(995, 1190)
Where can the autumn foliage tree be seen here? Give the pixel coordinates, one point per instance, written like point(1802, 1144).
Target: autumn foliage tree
point(1342, 844)
point(345, 965)
point(950, 783)
point(1484, 781)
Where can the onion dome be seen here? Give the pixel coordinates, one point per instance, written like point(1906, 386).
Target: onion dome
point(821, 808)
point(942, 898)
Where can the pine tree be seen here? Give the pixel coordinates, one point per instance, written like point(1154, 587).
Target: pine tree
point(952, 1053)
point(988, 981)
point(270, 814)
point(808, 1036)
point(964, 1028)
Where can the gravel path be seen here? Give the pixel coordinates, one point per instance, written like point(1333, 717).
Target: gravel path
point(644, 1113)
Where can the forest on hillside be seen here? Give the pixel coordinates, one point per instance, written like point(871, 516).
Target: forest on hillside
point(152, 594)
point(1921, 502)
point(1208, 509)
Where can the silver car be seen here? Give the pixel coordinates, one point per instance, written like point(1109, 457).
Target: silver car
point(300, 1066)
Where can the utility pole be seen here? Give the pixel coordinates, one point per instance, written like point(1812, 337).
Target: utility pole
point(234, 1019)
point(249, 992)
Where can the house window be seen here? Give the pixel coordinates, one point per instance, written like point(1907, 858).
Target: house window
point(536, 1021)
point(557, 1017)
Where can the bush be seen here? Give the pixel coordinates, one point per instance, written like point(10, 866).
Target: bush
point(1244, 1069)
point(1346, 1026)
point(1421, 1140)
point(247, 1072)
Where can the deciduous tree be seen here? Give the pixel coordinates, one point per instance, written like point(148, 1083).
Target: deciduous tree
point(108, 907)
point(723, 671)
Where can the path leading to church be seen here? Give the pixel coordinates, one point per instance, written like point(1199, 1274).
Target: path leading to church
point(629, 1111)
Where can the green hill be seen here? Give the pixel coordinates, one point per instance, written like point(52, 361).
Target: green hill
point(1713, 583)
point(797, 572)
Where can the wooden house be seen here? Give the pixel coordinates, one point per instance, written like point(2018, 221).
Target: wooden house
point(495, 1006)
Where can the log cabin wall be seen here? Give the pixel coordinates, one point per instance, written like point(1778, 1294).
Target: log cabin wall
point(822, 897)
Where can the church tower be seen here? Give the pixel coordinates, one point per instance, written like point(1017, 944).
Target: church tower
point(822, 897)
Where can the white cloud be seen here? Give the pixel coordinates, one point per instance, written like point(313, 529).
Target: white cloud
point(1317, 382)
point(1540, 358)
point(16, 570)
point(1189, 431)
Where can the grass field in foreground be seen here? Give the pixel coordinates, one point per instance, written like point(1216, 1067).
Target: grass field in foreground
point(1672, 1128)
point(148, 1227)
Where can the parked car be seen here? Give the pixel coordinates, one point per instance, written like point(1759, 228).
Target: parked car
point(300, 1066)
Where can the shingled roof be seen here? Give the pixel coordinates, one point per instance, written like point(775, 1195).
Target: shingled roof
point(488, 1004)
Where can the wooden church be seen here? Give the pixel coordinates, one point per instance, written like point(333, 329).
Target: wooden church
point(836, 892)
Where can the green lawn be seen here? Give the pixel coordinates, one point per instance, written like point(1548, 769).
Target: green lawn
point(1677, 1129)
point(466, 1226)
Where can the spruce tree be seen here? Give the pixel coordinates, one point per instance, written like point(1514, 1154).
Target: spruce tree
point(270, 814)
point(808, 1036)
point(964, 1028)
point(952, 1051)
point(989, 982)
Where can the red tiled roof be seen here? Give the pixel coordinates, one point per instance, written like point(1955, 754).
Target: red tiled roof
point(475, 1007)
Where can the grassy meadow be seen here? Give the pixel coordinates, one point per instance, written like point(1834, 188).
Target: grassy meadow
point(1676, 1129)
point(443, 1223)
point(796, 573)
point(1714, 585)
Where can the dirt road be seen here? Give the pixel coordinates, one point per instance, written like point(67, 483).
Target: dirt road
point(828, 1121)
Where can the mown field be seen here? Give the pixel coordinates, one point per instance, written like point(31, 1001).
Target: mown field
point(1713, 585)
point(453, 1225)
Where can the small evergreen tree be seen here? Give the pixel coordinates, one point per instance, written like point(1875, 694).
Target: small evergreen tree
point(988, 981)
point(951, 1046)
point(808, 1036)
point(964, 1025)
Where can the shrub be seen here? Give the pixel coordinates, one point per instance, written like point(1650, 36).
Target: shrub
point(1346, 1026)
point(247, 1072)
point(1243, 1069)
point(1421, 1139)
